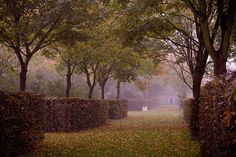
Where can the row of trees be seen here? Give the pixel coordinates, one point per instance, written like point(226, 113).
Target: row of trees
point(110, 39)
point(193, 32)
point(80, 35)
point(190, 32)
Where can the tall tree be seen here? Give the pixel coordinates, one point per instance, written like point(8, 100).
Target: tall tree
point(216, 19)
point(28, 26)
point(126, 69)
point(65, 48)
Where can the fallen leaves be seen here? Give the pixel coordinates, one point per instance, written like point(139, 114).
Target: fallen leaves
point(139, 135)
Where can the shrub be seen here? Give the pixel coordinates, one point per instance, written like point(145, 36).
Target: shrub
point(217, 118)
point(118, 109)
point(21, 120)
point(72, 114)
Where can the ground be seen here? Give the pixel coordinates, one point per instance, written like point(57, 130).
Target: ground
point(156, 133)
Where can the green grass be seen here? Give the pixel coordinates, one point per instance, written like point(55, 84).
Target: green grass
point(142, 134)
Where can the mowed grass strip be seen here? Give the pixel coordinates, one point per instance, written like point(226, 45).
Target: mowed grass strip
point(142, 134)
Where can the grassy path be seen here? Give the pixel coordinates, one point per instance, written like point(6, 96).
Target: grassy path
point(142, 134)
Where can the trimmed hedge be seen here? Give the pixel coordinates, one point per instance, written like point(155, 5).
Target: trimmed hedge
point(118, 109)
point(22, 118)
point(72, 114)
point(217, 117)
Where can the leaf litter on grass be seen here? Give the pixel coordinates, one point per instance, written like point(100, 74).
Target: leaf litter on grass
point(139, 135)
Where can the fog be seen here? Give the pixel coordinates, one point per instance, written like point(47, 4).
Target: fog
point(157, 90)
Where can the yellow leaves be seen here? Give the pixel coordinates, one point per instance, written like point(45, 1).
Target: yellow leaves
point(139, 135)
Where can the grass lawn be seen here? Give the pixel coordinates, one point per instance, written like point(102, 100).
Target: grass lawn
point(158, 133)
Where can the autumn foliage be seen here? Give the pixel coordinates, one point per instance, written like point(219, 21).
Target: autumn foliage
point(22, 118)
point(217, 117)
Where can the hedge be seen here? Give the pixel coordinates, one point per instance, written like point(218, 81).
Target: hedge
point(72, 114)
point(217, 117)
point(118, 109)
point(22, 118)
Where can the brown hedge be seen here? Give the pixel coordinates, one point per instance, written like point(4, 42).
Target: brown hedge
point(22, 118)
point(72, 114)
point(217, 117)
point(118, 109)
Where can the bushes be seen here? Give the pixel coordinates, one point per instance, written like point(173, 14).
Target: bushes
point(72, 114)
point(118, 109)
point(217, 118)
point(21, 122)
point(22, 118)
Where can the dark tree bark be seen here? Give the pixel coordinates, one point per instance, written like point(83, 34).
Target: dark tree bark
point(23, 77)
point(118, 89)
point(91, 86)
point(91, 76)
point(220, 65)
point(197, 80)
point(223, 21)
point(103, 91)
point(70, 65)
point(90, 93)
point(68, 80)
point(102, 85)
point(23, 68)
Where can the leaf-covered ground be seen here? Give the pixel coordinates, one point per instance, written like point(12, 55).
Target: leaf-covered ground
point(159, 133)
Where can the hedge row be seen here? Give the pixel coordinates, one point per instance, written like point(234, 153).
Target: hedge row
point(72, 114)
point(22, 119)
point(217, 117)
point(118, 109)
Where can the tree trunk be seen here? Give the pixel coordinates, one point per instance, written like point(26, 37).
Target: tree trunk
point(68, 80)
point(194, 119)
point(68, 85)
point(118, 89)
point(90, 93)
point(103, 84)
point(220, 65)
point(23, 77)
point(197, 80)
point(103, 91)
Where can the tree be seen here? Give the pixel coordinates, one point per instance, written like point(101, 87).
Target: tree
point(126, 69)
point(28, 26)
point(67, 62)
point(175, 28)
point(65, 47)
point(216, 19)
point(89, 61)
